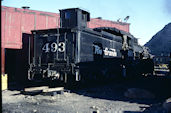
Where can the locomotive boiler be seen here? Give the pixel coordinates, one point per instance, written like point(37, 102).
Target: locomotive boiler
point(75, 52)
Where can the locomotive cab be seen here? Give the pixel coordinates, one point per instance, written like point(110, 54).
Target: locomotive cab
point(74, 17)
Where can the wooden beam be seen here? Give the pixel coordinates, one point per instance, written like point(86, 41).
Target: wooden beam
point(36, 88)
point(53, 89)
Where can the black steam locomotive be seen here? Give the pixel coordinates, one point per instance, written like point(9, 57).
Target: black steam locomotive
point(76, 52)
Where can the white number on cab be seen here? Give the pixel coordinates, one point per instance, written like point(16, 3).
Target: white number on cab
point(46, 48)
point(53, 47)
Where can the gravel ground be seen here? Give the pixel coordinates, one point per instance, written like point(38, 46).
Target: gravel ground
point(107, 98)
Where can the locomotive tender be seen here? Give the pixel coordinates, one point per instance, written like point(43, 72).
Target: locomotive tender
point(76, 52)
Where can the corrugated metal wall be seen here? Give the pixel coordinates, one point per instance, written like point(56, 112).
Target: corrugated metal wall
point(16, 21)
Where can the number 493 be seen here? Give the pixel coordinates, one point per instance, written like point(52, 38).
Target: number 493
point(53, 47)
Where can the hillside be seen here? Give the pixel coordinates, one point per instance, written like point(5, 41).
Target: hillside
point(160, 43)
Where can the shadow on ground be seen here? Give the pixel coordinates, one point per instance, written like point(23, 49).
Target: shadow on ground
point(159, 86)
